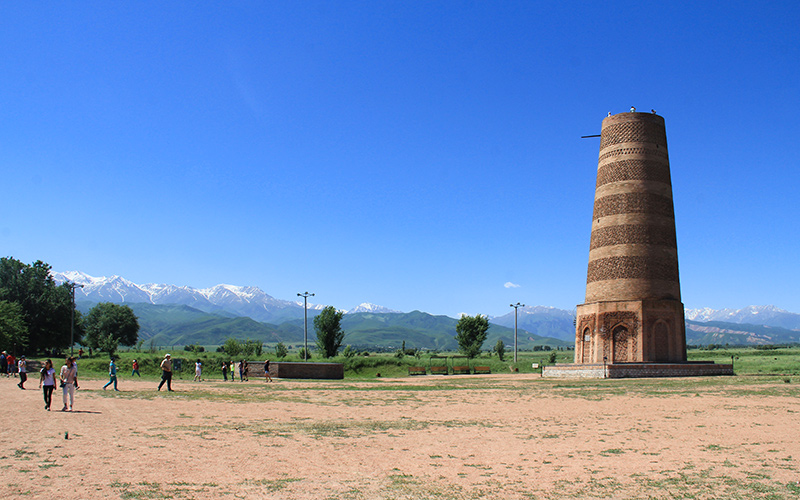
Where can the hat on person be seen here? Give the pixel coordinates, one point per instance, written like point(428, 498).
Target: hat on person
point(167, 355)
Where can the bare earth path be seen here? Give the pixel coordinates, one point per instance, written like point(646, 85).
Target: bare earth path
point(496, 436)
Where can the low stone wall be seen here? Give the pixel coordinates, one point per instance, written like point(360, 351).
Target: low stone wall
point(637, 370)
point(573, 371)
point(306, 370)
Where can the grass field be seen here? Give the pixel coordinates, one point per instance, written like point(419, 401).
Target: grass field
point(747, 361)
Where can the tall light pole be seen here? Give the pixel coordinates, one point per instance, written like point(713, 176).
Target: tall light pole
point(516, 306)
point(72, 286)
point(305, 296)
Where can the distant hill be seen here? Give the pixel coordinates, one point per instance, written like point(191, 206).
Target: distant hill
point(171, 315)
point(181, 325)
point(543, 321)
point(719, 332)
point(425, 331)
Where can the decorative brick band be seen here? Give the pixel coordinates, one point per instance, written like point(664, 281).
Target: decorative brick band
point(631, 267)
point(633, 131)
point(633, 151)
point(630, 234)
point(629, 170)
point(627, 203)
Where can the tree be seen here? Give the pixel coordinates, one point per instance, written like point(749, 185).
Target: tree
point(107, 342)
point(13, 330)
point(500, 349)
point(253, 348)
point(45, 307)
point(281, 351)
point(232, 347)
point(471, 334)
point(108, 323)
point(329, 331)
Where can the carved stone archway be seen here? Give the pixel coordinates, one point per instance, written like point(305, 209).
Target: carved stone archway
point(619, 338)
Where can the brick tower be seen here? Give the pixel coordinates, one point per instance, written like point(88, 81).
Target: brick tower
point(633, 310)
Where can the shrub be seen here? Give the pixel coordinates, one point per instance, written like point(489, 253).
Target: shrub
point(281, 351)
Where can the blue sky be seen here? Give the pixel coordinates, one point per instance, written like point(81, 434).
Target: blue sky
point(417, 155)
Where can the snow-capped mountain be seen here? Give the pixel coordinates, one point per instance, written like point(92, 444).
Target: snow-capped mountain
point(366, 307)
point(756, 315)
point(230, 299)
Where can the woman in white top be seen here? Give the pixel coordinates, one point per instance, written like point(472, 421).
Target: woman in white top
point(69, 382)
point(47, 383)
point(198, 371)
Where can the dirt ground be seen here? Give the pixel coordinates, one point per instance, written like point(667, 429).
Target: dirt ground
point(490, 436)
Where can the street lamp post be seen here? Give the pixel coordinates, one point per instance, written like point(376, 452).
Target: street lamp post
point(516, 306)
point(305, 296)
point(72, 287)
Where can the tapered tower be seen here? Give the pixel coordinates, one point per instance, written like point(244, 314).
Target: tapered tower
point(633, 310)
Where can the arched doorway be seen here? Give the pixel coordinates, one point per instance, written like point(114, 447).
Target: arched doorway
point(587, 346)
point(619, 338)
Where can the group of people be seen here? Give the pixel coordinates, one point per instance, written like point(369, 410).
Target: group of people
point(243, 368)
point(68, 380)
point(68, 376)
point(11, 366)
point(227, 367)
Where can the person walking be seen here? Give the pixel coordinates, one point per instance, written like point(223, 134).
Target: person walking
point(47, 383)
point(198, 371)
point(22, 366)
point(69, 382)
point(225, 371)
point(3, 363)
point(136, 369)
point(166, 373)
point(267, 376)
point(233, 371)
point(243, 371)
point(12, 366)
point(112, 375)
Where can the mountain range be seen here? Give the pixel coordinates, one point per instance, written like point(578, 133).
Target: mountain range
point(171, 314)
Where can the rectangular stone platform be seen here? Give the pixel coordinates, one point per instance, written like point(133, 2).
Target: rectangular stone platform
point(306, 370)
point(637, 370)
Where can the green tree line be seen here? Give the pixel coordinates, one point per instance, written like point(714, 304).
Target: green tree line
point(36, 314)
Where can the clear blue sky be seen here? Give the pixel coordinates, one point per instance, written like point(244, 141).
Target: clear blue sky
point(417, 155)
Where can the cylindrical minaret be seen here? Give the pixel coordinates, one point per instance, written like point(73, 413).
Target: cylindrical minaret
point(633, 253)
point(633, 310)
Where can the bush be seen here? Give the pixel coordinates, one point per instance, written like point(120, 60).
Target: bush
point(500, 349)
point(281, 351)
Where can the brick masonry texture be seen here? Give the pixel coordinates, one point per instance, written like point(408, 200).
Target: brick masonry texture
point(632, 312)
point(633, 151)
point(628, 170)
point(629, 234)
point(637, 370)
point(306, 370)
point(631, 267)
point(626, 203)
point(634, 131)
